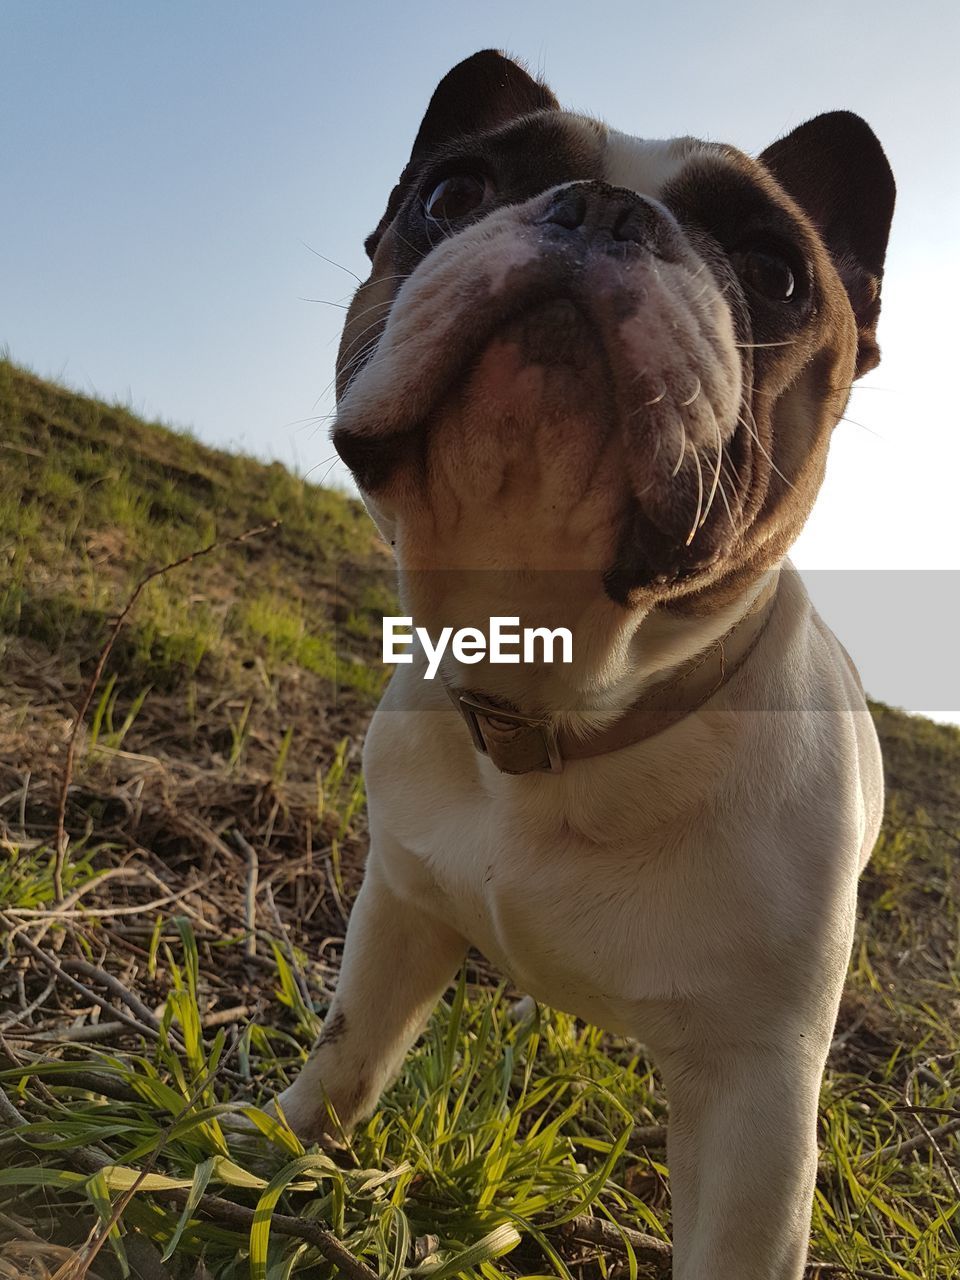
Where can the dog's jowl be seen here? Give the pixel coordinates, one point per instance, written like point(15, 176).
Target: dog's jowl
point(590, 384)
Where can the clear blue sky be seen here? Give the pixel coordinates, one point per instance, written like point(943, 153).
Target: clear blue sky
point(163, 165)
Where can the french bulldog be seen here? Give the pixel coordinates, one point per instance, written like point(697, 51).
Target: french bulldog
point(591, 382)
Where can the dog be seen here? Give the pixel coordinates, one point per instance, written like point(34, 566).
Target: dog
point(591, 381)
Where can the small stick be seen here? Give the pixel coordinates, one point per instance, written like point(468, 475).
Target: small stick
point(928, 1137)
point(61, 836)
point(94, 1082)
point(23, 803)
point(931, 1137)
point(224, 1017)
point(95, 974)
point(232, 1215)
point(9, 1113)
point(21, 1015)
point(610, 1235)
point(658, 1253)
point(299, 976)
point(648, 1135)
point(235, 1215)
point(141, 1028)
point(250, 894)
point(82, 1034)
point(829, 1270)
point(26, 1232)
point(91, 1031)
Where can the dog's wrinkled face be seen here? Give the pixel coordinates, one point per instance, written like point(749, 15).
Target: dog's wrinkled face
point(582, 350)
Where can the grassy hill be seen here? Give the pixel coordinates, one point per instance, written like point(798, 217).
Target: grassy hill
point(216, 832)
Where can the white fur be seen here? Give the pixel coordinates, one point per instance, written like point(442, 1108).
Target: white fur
point(695, 890)
point(645, 165)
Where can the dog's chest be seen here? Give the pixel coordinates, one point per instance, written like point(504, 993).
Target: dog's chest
point(572, 898)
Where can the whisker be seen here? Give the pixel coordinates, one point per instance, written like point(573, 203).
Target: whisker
point(696, 519)
point(374, 306)
point(863, 427)
point(725, 469)
point(684, 404)
point(357, 360)
point(656, 447)
point(683, 450)
point(360, 361)
point(716, 474)
point(403, 240)
point(726, 504)
point(317, 465)
point(325, 392)
point(383, 305)
point(333, 463)
point(315, 420)
point(338, 265)
point(358, 337)
point(358, 349)
point(757, 441)
point(706, 289)
point(736, 479)
point(699, 272)
point(757, 346)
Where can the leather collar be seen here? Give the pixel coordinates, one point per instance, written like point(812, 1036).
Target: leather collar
point(518, 743)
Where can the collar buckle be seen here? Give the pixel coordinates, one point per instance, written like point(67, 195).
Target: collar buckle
point(514, 742)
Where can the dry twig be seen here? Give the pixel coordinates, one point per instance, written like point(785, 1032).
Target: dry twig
point(250, 893)
point(220, 1210)
point(61, 835)
point(612, 1236)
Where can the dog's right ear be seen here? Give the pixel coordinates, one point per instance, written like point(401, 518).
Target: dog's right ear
point(482, 92)
point(835, 169)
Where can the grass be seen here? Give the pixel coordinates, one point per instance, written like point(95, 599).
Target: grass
point(91, 497)
point(217, 835)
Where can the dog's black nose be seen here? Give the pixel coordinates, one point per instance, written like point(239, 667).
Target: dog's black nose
point(621, 217)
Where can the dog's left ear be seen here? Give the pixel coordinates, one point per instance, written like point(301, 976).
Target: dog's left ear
point(835, 169)
point(482, 92)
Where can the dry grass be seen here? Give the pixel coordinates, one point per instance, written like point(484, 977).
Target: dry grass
point(216, 841)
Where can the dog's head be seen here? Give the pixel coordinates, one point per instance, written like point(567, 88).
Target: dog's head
point(580, 349)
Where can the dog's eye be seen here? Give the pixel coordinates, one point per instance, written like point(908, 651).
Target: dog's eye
point(767, 273)
point(455, 196)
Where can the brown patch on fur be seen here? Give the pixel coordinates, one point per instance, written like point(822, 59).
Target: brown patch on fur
point(332, 1031)
point(835, 169)
point(481, 93)
point(823, 195)
point(797, 382)
point(530, 155)
point(360, 1090)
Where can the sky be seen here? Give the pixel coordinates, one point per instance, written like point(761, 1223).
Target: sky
point(169, 174)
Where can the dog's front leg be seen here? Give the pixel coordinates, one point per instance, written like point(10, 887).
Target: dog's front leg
point(397, 960)
point(742, 1154)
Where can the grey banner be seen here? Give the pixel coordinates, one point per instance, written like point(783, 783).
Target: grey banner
point(900, 627)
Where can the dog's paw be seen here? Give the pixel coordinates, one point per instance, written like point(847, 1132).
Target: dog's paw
point(311, 1118)
point(257, 1140)
point(523, 1010)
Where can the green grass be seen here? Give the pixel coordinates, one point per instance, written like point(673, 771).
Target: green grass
point(91, 498)
point(217, 834)
point(497, 1131)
